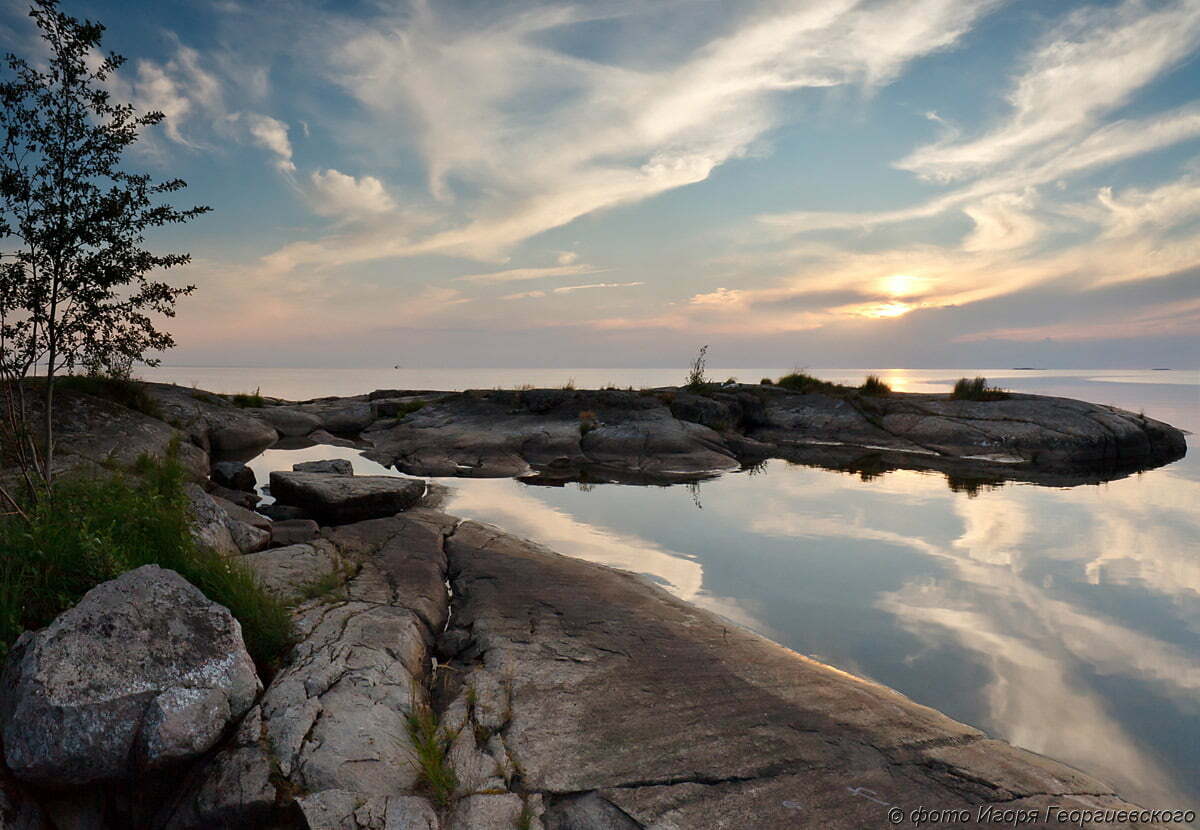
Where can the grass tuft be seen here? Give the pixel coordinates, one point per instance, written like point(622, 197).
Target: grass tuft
point(432, 747)
point(247, 399)
point(94, 529)
point(800, 381)
point(875, 386)
point(695, 377)
point(124, 391)
point(976, 389)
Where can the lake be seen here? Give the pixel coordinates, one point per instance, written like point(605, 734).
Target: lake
point(1064, 620)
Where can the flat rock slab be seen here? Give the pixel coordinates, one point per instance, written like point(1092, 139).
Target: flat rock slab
point(624, 707)
point(670, 433)
point(340, 499)
point(142, 674)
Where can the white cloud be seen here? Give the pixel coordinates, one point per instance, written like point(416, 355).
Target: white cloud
point(611, 134)
point(567, 289)
point(1093, 63)
point(337, 194)
point(519, 274)
point(270, 134)
point(1002, 222)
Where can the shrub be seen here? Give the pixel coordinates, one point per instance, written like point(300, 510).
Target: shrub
point(976, 389)
point(120, 390)
point(94, 529)
point(767, 382)
point(875, 386)
point(246, 399)
point(799, 381)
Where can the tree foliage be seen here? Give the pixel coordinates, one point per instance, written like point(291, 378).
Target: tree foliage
point(75, 275)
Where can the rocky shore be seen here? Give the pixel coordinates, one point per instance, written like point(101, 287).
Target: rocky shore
point(448, 675)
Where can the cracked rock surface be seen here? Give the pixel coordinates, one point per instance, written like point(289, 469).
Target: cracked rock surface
point(620, 706)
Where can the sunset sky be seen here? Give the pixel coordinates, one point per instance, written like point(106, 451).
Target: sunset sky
point(921, 183)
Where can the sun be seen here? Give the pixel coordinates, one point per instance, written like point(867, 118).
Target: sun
point(901, 285)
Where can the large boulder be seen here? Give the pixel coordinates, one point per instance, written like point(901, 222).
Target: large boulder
point(234, 475)
point(338, 499)
point(212, 421)
point(334, 466)
point(288, 421)
point(143, 674)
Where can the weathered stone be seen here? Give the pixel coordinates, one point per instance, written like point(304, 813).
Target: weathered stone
point(213, 422)
point(344, 810)
point(232, 789)
point(233, 474)
point(333, 466)
point(210, 524)
point(320, 436)
point(91, 433)
point(143, 673)
point(343, 416)
point(247, 537)
point(339, 499)
point(293, 532)
point(283, 512)
point(672, 433)
point(239, 513)
point(288, 571)
point(18, 808)
point(289, 421)
point(591, 706)
point(245, 499)
point(336, 718)
point(487, 812)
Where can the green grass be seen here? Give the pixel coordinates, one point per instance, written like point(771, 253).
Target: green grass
point(124, 391)
point(248, 399)
point(432, 747)
point(94, 529)
point(875, 386)
point(976, 389)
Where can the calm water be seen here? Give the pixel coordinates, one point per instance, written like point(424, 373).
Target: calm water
point(1066, 621)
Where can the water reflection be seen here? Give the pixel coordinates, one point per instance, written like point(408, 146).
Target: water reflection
point(1064, 620)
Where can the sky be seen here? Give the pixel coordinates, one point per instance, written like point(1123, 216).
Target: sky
point(875, 183)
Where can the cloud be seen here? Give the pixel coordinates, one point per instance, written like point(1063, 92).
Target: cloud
point(271, 134)
point(520, 274)
point(337, 194)
point(1093, 63)
point(1002, 222)
point(567, 289)
point(521, 137)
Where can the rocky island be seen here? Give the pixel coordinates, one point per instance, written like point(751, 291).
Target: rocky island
point(446, 674)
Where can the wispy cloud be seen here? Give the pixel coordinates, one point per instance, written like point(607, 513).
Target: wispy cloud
point(520, 274)
point(1091, 64)
point(612, 134)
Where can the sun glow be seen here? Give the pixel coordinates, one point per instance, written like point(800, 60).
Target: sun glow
point(892, 309)
point(902, 285)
